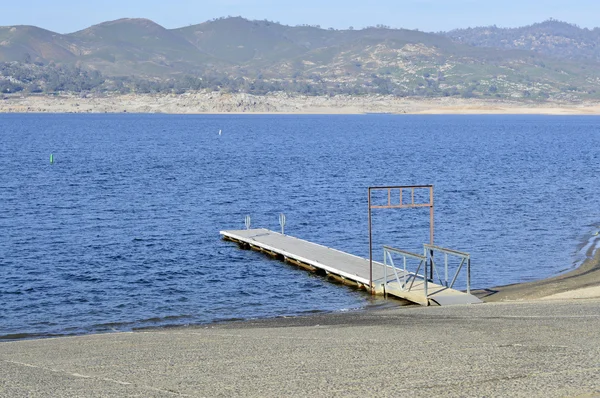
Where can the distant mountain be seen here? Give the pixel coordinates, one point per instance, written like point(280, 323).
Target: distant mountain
point(240, 42)
point(18, 43)
point(243, 42)
point(548, 60)
point(554, 38)
point(136, 46)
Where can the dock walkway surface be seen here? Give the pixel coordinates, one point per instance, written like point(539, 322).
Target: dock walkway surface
point(347, 268)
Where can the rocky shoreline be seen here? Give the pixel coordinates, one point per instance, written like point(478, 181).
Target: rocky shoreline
point(219, 102)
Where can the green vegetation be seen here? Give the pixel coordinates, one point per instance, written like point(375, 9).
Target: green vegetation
point(258, 57)
point(552, 37)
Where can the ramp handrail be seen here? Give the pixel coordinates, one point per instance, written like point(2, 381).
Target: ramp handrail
point(406, 276)
point(430, 249)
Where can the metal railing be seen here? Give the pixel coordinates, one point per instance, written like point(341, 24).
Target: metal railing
point(406, 275)
point(465, 257)
point(282, 223)
point(407, 279)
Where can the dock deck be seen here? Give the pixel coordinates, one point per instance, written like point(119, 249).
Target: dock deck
point(346, 268)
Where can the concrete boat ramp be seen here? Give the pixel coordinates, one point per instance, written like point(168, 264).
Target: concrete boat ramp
point(352, 270)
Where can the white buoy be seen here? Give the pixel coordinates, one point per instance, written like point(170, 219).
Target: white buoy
point(219, 132)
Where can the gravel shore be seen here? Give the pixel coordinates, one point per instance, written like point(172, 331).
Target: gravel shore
point(532, 349)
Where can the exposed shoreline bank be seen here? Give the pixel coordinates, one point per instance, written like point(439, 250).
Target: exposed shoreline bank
point(281, 103)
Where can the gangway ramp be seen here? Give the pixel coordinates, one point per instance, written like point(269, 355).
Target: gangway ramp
point(347, 268)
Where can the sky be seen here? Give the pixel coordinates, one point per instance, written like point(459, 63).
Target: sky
point(66, 16)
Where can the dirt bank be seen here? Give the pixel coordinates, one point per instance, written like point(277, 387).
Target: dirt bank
point(211, 102)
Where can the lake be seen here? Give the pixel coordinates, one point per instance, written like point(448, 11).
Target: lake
point(122, 230)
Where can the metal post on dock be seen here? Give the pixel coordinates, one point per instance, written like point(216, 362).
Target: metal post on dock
point(431, 228)
point(469, 275)
point(446, 268)
point(385, 279)
point(247, 222)
point(370, 248)
point(282, 223)
point(425, 281)
point(392, 204)
point(425, 270)
point(404, 277)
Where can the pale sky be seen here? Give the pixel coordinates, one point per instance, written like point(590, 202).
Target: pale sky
point(66, 16)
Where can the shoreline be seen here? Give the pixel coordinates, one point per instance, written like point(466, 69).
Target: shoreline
point(580, 283)
point(199, 103)
point(522, 347)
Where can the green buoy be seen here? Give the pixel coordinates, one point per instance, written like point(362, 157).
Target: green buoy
point(51, 159)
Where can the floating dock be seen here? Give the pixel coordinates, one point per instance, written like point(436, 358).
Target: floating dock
point(350, 269)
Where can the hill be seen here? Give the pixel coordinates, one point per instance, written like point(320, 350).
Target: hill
point(24, 43)
point(240, 42)
point(136, 46)
point(554, 38)
point(239, 55)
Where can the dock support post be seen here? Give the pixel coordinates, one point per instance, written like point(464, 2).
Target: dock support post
point(425, 278)
point(469, 275)
point(431, 229)
point(370, 248)
point(446, 268)
point(404, 277)
point(384, 272)
point(425, 281)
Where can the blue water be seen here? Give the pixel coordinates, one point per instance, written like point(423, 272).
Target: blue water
point(122, 231)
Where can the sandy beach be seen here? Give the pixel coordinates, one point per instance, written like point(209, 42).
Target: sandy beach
point(239, 103)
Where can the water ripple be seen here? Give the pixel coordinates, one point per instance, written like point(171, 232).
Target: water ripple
point(122, 231)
